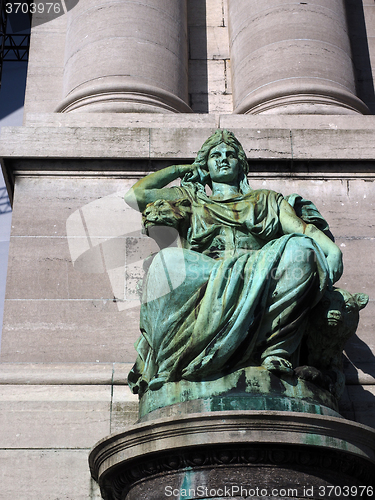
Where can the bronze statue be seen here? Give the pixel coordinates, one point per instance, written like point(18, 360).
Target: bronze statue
point(239, 288)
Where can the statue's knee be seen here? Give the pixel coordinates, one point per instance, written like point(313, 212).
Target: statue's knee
point(299, 261)
point(298, 252)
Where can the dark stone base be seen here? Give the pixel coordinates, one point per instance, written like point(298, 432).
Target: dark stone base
point(266, 473)
point(269, 455)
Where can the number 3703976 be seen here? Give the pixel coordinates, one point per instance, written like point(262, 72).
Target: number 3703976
point(33, 8)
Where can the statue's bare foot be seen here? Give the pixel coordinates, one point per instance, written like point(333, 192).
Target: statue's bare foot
point(275, 364)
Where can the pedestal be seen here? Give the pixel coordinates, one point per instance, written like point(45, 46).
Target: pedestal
point(237, 454)
point(251, 388)
point(249, 434)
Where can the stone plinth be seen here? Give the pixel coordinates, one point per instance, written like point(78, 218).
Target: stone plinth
point(251, 388)
point(199, 455)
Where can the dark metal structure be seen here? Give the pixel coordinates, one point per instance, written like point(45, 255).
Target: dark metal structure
point(14, 45)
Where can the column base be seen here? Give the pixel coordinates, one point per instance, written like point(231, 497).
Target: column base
point(121, 95)
point(300, 96)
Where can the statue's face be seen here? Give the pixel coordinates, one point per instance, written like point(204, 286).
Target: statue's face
point(223, 164)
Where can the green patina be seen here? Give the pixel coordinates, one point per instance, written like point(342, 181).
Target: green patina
point(247, 389)
point(226, 310)
point(326, 442)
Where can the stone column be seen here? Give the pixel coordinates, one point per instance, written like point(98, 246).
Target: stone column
point(291, 58)
point(126, 56)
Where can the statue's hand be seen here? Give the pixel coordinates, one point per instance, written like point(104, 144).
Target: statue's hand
point(335, 265)
point(193, 173)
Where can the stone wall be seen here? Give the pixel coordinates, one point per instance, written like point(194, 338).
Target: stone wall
point(68, 332)
point(71, 312)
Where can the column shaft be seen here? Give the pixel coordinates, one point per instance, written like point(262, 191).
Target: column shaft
point(291, 57)
point(126, 56)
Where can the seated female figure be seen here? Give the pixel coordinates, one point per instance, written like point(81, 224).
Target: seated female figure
point(240, 289)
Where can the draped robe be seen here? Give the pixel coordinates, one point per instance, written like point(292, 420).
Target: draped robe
point(237, 292)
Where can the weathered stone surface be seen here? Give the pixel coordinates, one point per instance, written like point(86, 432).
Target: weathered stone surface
point(369, 13)
point(231, 121)
point(202, 13)
point(371, 47)
point(46, 331)
point(52, 478)
point(260, 143)
point(344, 201)
point(212, 103)
point(132, 120)
point(318, 144)
point(55, 200)
point(46, 64)
point(55, 374)
point(358, 250)
point(64, 373)
point(328, 143)
point(51, 93)
point(120, 373)
point(209, 43)
point(214, 70)
point(74, 142)
point(167, 143)
point(228, 77)
point(52, 275)
point(59, 299)
point(54, 416)
point(41, 53)
point(124, 409)
point(299, 122)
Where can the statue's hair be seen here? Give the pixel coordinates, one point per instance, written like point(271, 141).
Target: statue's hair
point(219, 137)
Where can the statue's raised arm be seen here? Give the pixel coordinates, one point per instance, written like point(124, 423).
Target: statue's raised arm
point(152, 187)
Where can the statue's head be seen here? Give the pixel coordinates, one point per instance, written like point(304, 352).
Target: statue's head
point(228, 138)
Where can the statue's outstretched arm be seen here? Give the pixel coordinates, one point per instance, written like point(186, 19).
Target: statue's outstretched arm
point(290, 223)
point(152, 187)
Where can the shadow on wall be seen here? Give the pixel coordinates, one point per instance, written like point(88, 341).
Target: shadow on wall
point(360, 53)
point(5, 223)
point(361, 407)
point(198, 70)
